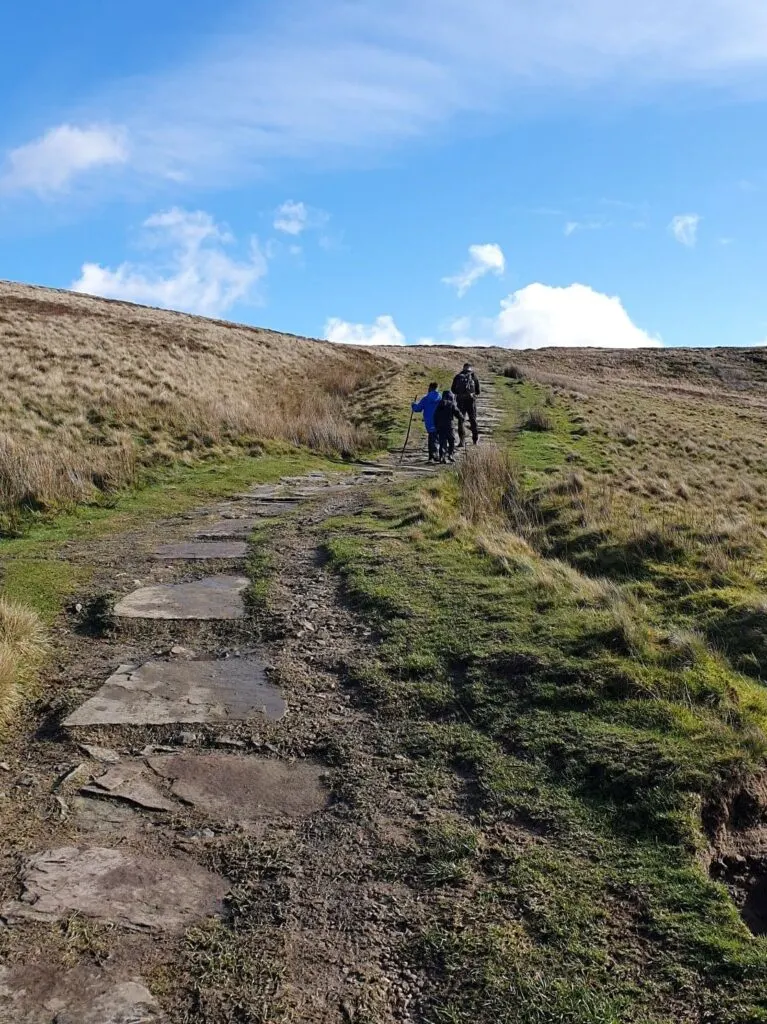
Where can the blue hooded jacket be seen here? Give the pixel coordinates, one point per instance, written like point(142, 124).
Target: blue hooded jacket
point(427, 405)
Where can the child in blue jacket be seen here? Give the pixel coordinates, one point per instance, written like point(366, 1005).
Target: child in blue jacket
point(427, 405)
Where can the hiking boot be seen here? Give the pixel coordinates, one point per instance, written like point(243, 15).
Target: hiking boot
point(450, 458)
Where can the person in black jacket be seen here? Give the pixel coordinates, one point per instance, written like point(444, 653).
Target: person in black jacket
point(444, 414)
point(466, 390)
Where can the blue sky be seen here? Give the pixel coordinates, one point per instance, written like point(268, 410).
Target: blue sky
point(406, 171)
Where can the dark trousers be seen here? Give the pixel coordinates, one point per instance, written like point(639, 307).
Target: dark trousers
point(433, 441)
point(467, 404)
point(446, 445)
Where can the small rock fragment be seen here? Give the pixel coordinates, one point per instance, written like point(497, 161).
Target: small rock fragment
point(127, 782)
point(68, 776)
point(182, 652)
point(104, 754)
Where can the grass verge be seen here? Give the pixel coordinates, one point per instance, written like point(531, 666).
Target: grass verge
point(22, 648)
point(36, 578)
point(570, 750)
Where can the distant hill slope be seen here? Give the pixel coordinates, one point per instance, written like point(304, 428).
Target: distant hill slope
point(89, 386)
point(67, 355)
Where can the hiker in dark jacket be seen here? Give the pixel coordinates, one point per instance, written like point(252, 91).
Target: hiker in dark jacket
point(427, 405)
point(466, 390)
point(444, 414)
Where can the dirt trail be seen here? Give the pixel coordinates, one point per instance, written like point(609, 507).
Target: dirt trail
point(197, 818)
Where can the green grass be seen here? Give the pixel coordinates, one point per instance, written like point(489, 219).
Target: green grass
point(570, 746)
point(42, 584)
point(544, 451)
point(34, 572)
point(260, 562)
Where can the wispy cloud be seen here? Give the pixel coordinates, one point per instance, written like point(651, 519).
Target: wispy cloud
point(293, 217)
point(49, 164)
point(684, 228)
point(583, 225)
point(191, 269)
point(326, 82)
point(383, 331)
point(483, 259)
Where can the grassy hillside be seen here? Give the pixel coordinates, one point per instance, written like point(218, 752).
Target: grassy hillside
point(93, 390)
point(570, 631)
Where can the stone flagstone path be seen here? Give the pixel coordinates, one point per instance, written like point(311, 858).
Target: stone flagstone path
point(216, 598)
point(119, 868)
point(167, 692)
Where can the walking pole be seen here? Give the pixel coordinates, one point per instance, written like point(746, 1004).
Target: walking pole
point(407, 436)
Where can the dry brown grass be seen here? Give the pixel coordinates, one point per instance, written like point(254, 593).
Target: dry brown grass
point(489, 482)
point(681, 433)
point(91, 389)
point(22, 646)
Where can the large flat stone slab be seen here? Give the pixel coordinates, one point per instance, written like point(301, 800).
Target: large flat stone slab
point(214, 598)
point(168, 692)
point(201, 550)
point(42, 994)
point(232, 787)
point(228, 528)
point(126, 889)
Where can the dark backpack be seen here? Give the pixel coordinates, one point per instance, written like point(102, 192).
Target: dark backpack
point(464, 384)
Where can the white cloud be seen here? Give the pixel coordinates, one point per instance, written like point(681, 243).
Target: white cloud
point(537, 316)
point(291, 217)
point(684, 228)
point(50, 163)
point(540, 315)
point(483, 259)
point(383, 331)
point(197, 274)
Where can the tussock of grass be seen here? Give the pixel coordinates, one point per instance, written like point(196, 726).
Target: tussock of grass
point(489, 482)
point(514, 371)
point(22, 646)
point(43, 475)
point(537, 419)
